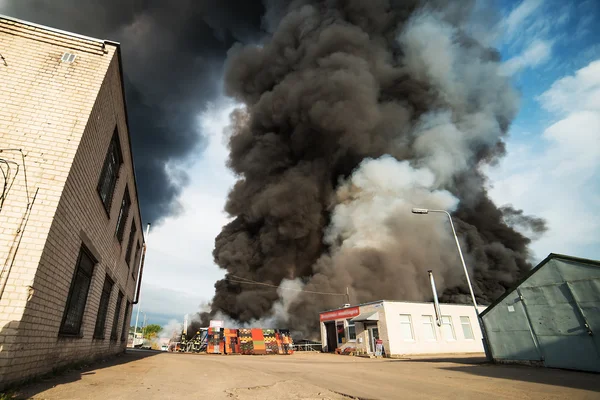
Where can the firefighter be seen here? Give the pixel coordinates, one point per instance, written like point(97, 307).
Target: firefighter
point(197, 342)
point(286, 343)
point(183, 343)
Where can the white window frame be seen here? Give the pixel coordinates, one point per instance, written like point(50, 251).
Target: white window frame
point(410, 325)
point(468, 323)
point(429, 324)
point(451, 328)
point(348, 331)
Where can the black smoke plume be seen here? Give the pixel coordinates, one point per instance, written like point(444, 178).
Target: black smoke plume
point(355, 112)
point(173, 53)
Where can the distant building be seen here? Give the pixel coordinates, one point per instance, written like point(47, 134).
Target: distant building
point(70, 233)
point(551, 317)
point(403, 328)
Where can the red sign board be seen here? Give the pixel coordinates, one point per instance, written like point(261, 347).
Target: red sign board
point(343, 313)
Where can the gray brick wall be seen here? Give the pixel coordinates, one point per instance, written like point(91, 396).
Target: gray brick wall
point(62, 116)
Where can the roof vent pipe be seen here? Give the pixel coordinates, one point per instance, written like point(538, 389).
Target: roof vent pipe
point(436, 303)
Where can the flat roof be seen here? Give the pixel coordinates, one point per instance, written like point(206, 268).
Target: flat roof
point(103, 43)
point(48, 28)
point(399, 301)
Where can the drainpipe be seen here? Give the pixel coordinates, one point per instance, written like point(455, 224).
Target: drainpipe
point(136, 300)
point(140, 273)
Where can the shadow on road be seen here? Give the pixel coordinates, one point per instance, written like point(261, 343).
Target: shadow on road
point(454, 360)
point(73, 375)
point(548, 376)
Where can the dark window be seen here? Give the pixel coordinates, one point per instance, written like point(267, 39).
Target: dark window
point(130, 244)
point(125, 331)
point(134, 270)
point(110, 172)
point(123, 213)
point(73, 314)
point(351, 330)
point(103, 309)
point(114, 330)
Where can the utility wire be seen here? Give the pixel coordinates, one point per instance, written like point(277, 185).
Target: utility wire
point(7, 175)
point(24, 171)
point(251, 282)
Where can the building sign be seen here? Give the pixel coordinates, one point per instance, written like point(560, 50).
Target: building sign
point(216, 324)
point(344, 313)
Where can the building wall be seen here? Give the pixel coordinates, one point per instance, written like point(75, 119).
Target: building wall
point(62, 116)
point(397, 345)
point(362, 331)
point(547, 319)
point(391, 334)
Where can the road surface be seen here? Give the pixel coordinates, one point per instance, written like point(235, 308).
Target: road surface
point(153, 375)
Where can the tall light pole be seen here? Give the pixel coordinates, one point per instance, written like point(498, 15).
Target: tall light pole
point(462, 260)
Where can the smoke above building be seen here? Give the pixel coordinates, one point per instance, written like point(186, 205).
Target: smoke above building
point(173, 55)
point(353, 113)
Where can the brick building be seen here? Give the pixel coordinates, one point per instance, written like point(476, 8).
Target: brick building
point(70, 224)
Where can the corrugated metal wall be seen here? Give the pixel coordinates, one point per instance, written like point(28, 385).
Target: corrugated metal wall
point(552, 317)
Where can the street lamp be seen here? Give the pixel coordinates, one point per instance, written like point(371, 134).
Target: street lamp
point(462, 260)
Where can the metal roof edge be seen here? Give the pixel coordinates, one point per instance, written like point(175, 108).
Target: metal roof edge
point(595, 263)
point(55, 30)
point(398, 301)
point(551, 256)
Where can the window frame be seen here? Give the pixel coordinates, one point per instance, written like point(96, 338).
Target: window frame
point(113, 147)
point(101, 335)
point(410, 325)
point(125, 325)
point(348, 326)
point(451, 328)
point(114, 331)
point(468, 324)
point(431, 324)
point(123, 215)
point(83, 251)
point(132, 233)
point(138, 251)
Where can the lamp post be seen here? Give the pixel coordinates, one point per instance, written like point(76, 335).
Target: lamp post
point(462, 260)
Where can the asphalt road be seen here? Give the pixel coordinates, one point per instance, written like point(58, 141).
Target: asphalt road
point(152, 375)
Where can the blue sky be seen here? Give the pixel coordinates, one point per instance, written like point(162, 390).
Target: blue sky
point(551, 169)
point(569, 33)
point(549, 48)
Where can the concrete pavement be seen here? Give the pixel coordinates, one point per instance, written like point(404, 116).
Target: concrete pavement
point(151, 375)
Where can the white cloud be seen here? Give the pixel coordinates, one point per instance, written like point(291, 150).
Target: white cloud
point(180, 273)
point(580, 92)
point(519, 15)
point(537, 53)
point(558, 177)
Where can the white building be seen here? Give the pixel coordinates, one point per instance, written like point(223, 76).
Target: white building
point(404, 328)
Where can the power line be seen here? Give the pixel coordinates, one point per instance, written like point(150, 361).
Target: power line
point(251, 282)
point(7, 177)
point(24, 171)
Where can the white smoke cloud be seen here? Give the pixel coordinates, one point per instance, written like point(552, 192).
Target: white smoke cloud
point(172, 329)
point(472, 88)
point(288, 291)
point(377, 191)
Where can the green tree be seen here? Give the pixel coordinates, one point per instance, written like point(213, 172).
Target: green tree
point(152, 330)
